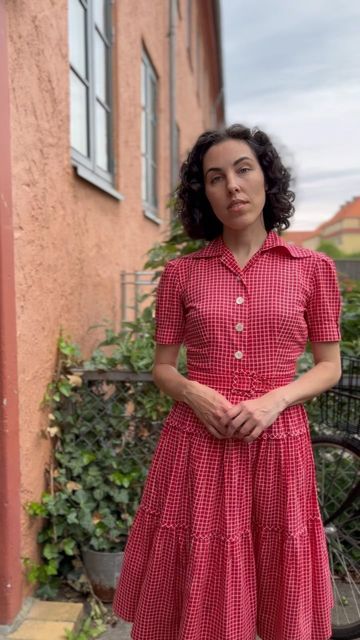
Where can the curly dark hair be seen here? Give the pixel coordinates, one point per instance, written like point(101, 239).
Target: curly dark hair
point(191, 203)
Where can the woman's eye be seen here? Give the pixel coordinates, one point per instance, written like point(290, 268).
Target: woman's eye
point(244, 169)
point(215, 179)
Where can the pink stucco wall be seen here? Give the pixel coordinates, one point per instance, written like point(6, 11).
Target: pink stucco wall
point(71, 239)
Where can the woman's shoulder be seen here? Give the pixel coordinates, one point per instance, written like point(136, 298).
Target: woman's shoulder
point(297, 251)
point(207, 251)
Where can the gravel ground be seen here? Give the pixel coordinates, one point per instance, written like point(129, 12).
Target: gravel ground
point(121, 631)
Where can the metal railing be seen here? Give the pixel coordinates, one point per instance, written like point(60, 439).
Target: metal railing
point(134, 285)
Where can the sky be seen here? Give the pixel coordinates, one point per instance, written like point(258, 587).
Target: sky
point(292, 68)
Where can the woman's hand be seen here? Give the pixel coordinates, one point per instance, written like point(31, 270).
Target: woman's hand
point(248, 419)
point(210, 407)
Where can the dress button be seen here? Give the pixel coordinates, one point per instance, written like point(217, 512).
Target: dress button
point(238, 355)
point(239, 326)
point(239, 300)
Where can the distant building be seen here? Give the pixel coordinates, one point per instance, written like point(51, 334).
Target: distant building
point(342, 230)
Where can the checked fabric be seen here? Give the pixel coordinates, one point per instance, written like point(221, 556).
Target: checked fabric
point(228, 540)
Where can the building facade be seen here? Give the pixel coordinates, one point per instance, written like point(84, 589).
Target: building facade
point(100, 102)
point(342, 230)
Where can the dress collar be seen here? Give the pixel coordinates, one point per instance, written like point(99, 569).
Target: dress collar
point(217, 247)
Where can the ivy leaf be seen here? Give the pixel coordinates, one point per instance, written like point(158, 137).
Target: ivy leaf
point(50, 551)
point(69, 546)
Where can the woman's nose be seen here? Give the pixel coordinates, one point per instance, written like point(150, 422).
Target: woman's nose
point(232, 184)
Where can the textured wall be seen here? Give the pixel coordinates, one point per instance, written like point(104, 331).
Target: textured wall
point(71, 239)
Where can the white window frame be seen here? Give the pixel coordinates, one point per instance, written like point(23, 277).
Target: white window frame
point(86, 164)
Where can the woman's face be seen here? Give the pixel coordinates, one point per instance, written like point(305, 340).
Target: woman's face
point(234, 184)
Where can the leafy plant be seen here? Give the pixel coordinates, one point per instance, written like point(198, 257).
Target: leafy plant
point(94, 485)
point(92, 626)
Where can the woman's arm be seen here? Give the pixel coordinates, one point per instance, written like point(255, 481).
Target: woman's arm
point(209, 405)
point(322, 376)
point(248, 419)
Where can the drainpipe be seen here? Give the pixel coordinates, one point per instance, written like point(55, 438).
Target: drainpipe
point(172, 94)
point(10, 540)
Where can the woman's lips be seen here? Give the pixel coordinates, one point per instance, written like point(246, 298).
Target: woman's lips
point(238, 205)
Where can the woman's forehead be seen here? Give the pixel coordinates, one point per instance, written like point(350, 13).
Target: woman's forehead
point(227, 152)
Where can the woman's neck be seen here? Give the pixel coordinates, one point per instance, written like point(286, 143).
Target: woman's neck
point(244, 243)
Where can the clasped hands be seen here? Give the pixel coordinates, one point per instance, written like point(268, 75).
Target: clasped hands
point(244, 421)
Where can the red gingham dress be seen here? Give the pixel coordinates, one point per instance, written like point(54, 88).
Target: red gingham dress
point(228, 539)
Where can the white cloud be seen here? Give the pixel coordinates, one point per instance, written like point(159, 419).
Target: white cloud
point(298, 78)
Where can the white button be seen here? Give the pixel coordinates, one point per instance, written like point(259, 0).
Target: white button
point(239, 300)
point(238, 355)
point(239, 326)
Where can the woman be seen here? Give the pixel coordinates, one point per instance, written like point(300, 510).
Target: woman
point(228, 540)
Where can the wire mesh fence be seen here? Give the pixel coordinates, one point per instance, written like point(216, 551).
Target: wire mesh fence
point(118, 407)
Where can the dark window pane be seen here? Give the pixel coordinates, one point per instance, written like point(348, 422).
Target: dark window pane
point(77, 36)
point(101, 137)
point(148, 132)
point(79, 115)
point(152, 150)
point(143, 179)
point(100, 68)
point(153, 186)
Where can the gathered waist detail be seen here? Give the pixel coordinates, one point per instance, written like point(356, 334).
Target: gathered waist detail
point(236, 387)
point(240, 382)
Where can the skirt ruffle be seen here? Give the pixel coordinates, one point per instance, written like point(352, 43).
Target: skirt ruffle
point(228, 541)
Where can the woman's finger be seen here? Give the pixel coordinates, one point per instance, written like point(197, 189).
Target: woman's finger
point(253, 435)
point(246, 428)
point(237, 422)
point(217, 434)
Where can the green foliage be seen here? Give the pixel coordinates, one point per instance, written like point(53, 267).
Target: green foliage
point(177, 244)
point(93, 626)
point(94, 487)
point(331, 250)
point(350, 316)
point(334, 252)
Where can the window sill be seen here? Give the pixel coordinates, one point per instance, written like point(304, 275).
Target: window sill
point(96, 181)
point(148, 213)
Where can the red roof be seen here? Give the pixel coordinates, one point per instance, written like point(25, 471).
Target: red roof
point(297, 237)
point(348, 210)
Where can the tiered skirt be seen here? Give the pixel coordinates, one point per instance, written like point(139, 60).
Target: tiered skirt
point(228, 540)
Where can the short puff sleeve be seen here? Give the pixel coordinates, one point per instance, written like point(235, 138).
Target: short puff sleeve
point(324, 304)
point(170, 312)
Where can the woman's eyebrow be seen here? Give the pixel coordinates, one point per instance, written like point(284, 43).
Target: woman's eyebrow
point(241, 159)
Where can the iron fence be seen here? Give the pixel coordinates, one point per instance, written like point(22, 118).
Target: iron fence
point(114, 406)
point(134, 286)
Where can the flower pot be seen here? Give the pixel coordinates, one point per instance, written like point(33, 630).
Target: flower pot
point(103, 570)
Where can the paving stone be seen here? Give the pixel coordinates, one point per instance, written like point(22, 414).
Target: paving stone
point(38, 630)
point(56, 611)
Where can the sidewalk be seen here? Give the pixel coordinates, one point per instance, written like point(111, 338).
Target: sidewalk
point(41, 620)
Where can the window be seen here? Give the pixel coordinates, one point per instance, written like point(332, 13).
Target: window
point(90, 91)
point(189, 30)
point(149, 137)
